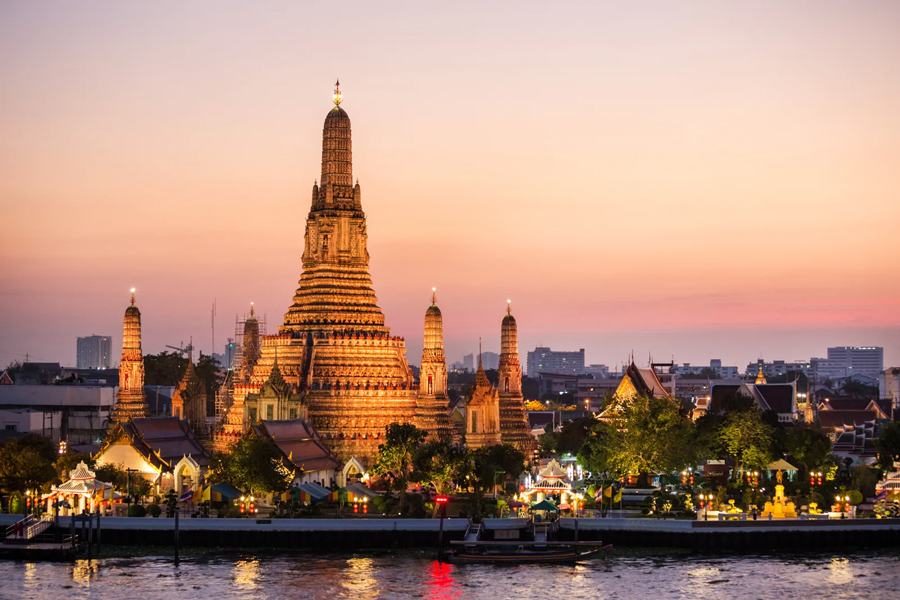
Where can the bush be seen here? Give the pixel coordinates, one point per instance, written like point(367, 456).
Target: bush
point(856, 497)
point(230, 512)
point(136, 510)
point(154, 510)
point(17, 504)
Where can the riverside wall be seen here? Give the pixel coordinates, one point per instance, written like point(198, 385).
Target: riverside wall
point(359, 534)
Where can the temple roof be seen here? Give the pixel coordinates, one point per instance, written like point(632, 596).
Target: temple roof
point(553, 471)
point(337, 113)
point(299, 443)
point(163, 441)
point(777, 396)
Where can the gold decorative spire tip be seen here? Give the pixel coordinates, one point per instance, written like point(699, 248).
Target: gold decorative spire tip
point(433, 295)
point(509, 307)
point(132, 296)
point(337, 93)
point(251, 309)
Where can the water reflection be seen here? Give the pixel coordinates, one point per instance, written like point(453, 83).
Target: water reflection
point(411, 575)
point(358, 578)
point(841, 572)
point(440, 584)
point(246, 574)
point(82, 571)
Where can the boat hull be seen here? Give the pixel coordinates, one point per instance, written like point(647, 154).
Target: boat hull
point(512, 558)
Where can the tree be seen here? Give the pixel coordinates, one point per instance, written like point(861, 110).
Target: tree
point(165, 368)
point(442, 464)
point(68, 461)
point(548, 442)
point(491, 461)
point(209, 371)
point(808, 447)
point(26, 463)
point(888, 445)
point(395, 456)
point(254, 464)
point(748, 439)
point(647, 435)
point(572, 435)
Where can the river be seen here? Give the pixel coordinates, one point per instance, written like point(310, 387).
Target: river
point(411, 575)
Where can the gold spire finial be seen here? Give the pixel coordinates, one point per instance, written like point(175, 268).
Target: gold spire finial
point(433, 296)
point(337, 92)
point(251, 309)
point(479, 353)
point(509, 307)
point(132, 296)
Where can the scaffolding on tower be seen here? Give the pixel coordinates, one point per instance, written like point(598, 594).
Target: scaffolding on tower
point(246, 341)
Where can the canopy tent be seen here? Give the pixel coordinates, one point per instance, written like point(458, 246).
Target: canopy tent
point(545, 505)
point(295, 493)
point(220, 492)
point(781, 465)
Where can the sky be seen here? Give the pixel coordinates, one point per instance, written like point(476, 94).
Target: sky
point(687, 180)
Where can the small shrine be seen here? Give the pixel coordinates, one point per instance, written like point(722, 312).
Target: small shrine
point(779, 507)
point(552, 480)
point(82, 491)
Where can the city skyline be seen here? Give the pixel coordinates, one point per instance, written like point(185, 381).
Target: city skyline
point(720, 187)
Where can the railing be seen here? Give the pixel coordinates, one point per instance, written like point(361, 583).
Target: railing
point(29, 527)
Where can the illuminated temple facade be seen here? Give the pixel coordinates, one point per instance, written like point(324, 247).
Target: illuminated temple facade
point(130, 400)
point(333, 348)
point(338, 366)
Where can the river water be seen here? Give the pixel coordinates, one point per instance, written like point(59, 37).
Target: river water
point(363, 576)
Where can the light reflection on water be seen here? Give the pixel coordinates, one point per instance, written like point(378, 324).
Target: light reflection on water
point(419, 576)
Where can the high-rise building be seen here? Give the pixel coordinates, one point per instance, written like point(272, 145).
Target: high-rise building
point(468, 362)
point(545, 360)
point(490, 361)
point(94, 352)
point(856, 360)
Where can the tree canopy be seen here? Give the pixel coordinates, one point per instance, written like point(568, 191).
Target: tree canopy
point(647, 435)
point(888, 445)
point(748, 439)
point(395, 456)
point(808, 448)
point(254, 464)
point(26, 463)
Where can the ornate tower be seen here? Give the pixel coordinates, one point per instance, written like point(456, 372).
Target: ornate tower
point(250, 346)
point(334, 346)
point(514, 427)
point(189, 400)
point(433, 403)
point(130, 400)
point(483, 412)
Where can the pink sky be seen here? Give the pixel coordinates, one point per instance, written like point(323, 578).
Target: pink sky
point(695, 179)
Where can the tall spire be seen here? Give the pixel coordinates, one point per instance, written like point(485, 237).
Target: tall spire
point(337, 159)
point(337, 99)
point(433, 296)
point(130, 399)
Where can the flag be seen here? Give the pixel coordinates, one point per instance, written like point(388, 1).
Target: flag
point(186, 495)
point(607, 492)
point(882, 495)
point(618, 497)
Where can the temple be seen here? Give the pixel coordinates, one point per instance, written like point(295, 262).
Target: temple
point(189, 400)
point(514, 428)
point(483, 412)
point(131, 402)
point(333, 348)
point(433, 404)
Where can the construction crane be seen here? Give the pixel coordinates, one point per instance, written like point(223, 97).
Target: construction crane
point(182, 349)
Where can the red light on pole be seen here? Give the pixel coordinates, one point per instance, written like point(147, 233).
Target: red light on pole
point(442, 499)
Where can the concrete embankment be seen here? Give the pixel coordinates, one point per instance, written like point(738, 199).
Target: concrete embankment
point(356, 534)
point(736, 536)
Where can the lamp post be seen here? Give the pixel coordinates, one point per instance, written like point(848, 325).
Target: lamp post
point(442, 502)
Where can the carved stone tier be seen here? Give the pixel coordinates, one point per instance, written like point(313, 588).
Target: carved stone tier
point(130, 400)
point(514, 427)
